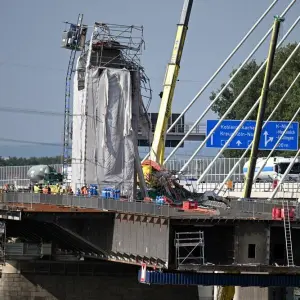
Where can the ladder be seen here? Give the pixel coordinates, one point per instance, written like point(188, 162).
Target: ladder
point(288, 234)
point(67, 112)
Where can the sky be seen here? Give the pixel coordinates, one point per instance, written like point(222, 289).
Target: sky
point(33, 65)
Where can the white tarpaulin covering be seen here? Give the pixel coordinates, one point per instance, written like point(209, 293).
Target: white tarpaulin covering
point(103, 141)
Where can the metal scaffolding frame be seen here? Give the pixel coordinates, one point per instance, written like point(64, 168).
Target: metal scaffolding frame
point(189, 248)
point(74, 46)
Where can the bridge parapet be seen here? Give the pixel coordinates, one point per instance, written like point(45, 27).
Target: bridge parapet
point(258, 209)
point(135, 207)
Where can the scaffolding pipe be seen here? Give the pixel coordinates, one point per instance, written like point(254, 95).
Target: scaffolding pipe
point(85, 95)
point(287, 171)
point(262, 108)
point(246, 117)
point(277, 143)
point(220, 92)
point(233, 104)
point(245, 153)
point(224, 63)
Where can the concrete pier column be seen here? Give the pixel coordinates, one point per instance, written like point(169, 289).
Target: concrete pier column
point(237, 293)
point(205, 292)
point(11, 267)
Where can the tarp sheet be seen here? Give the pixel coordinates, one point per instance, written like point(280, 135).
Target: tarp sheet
point(103, 137)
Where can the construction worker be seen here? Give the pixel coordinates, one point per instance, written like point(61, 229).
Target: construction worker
point(45, 190)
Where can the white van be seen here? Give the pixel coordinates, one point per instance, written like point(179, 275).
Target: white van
point(275, 168)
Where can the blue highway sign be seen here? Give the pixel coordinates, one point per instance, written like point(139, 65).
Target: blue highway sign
point(269, 136)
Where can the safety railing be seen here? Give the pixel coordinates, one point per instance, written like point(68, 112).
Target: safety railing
point(135, 207)
point(263, 209)
point(184, 128)
point(18, 183)
point(239, 209)
point(264, 186)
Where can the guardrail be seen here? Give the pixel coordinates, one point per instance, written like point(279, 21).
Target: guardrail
point(135, 207)
point(183, 129)
point(293, 187)
point(254, 208)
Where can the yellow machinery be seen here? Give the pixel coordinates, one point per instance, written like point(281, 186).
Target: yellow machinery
point(158, 145)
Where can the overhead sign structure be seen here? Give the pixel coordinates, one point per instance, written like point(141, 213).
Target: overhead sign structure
point(269, 136)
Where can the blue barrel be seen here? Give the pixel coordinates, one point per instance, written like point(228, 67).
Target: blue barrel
point(107, 193)
point(117, 194)
point(159, 200)
point(95, 191)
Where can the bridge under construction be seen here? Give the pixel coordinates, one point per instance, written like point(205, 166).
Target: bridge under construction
point(205, 222)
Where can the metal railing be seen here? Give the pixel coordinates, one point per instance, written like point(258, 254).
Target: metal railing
point(200, 129)
point(19, 183)
point(264, 186)
point(20, 172)
point(135, 207)
point(254, 208)
point(195, 169)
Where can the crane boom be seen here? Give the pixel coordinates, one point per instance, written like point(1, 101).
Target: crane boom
point(158, 145)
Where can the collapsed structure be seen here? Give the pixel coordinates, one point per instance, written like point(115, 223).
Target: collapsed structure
point(108, 109)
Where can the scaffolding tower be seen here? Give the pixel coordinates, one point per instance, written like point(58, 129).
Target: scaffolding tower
point(74, 40)
point(117, 46)
point(189, 248)
point(113, 48)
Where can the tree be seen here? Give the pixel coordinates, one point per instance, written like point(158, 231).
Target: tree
point(21, 161)
point(285, 111)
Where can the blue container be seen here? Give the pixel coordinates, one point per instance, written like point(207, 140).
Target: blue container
point(117, 194)
point(78, 192)
point(95, 191)
point(107, 193)
point(159, 200)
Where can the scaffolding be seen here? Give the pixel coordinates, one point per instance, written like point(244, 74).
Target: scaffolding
point(114, 49)
point(189, 248)
point(73, 39)
point(117, 46)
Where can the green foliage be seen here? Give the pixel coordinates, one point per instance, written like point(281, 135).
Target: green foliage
point(285, 111)
point(21, 161)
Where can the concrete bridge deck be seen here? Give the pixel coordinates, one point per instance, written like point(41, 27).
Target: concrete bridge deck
point(256, 209)
point(136, 232)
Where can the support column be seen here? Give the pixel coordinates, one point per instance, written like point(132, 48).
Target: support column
point(237, 293)
point(11, 267)
point(205, 292)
